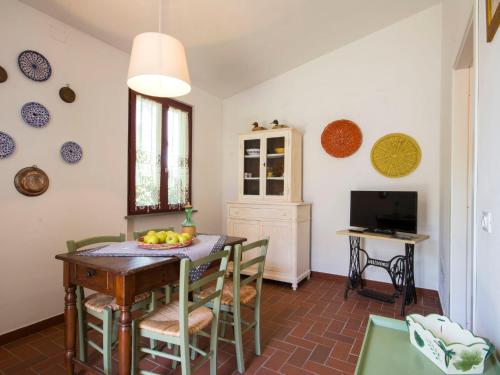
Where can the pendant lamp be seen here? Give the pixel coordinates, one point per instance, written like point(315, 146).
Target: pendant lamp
point(158, 65)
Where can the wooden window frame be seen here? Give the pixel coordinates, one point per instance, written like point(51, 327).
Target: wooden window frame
point(166, 104)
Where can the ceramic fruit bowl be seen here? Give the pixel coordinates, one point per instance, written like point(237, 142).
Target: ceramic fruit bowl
point(279, 150)
point(162, 246)
point(452, 348)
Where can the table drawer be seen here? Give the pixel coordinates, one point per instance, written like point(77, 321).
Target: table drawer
point(260, 213)
point(92, 278)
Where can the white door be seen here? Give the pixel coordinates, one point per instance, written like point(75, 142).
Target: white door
point(250, 174)
point(279, 253)
point(460, 291)
point(276, 153)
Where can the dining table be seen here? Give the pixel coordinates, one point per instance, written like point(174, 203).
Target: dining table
point(124, 278)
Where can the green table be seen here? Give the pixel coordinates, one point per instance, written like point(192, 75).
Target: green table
point(387, 350)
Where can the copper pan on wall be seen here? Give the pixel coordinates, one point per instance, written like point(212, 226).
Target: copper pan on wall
point(31, 181)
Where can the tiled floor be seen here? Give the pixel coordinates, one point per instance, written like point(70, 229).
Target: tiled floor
point(311, 331)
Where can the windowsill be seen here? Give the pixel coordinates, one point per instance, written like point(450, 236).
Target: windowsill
point(156, 214)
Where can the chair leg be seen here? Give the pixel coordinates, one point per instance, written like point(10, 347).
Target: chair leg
point(152, 345)
point(185, 359)
point(176, 353)
point(238, 339)
point(135, 347)
point(257, 328)
point(194, 342)
point(107, 338)
point(115, 328)
point(82, 333)
point(213, 346)
point(223, 325)
point(168, 293)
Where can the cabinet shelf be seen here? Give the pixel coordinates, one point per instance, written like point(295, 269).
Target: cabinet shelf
point(276, 178)
point(251, 178)
point(252, 156)
point(275, 156)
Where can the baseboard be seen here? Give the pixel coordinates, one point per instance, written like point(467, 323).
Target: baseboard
point(29, 330)
point(371, 283)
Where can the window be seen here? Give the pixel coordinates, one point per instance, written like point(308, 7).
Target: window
point(159, 163)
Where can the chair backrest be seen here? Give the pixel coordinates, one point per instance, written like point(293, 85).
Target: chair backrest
point(144, 232)
point(75, 245)
point(241, 263)
point(186, 286)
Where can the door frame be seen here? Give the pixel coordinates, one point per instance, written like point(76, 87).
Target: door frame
point(463, 184)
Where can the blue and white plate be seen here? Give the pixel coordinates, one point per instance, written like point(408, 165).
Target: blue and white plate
point(7, 145)
point(34, 65)
point(71, 152)
point(35, 114)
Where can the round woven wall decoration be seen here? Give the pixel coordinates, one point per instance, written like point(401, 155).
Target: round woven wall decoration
point(341, 138)
point(396, 155)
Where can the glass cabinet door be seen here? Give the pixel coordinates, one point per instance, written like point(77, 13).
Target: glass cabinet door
point(275, 166)
point(251, 167)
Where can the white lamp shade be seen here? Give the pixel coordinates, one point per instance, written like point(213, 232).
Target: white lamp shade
point(158, 66)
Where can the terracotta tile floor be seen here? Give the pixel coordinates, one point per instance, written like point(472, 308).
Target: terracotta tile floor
point(311, 331)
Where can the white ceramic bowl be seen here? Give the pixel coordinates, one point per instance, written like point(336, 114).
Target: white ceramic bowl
point(253, 151)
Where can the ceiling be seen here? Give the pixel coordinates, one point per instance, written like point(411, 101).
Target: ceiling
point(235, 44)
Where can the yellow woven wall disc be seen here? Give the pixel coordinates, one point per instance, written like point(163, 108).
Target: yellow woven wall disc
point(396, 155)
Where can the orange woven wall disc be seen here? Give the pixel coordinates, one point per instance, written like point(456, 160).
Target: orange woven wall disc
point(341, 138)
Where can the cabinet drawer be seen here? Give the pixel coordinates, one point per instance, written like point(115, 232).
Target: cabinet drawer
point(92, 278)
point(260, 213)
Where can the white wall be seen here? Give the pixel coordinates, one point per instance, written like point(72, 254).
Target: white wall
point(488, 184)
point(387, 82)
point(455, 17)
point(88, 198)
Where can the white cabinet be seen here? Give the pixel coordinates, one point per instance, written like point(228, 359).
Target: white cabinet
point(288, 227)
point(270, 166)
point(270, 202)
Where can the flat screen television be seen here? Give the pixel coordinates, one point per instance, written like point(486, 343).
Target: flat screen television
point(384, 211)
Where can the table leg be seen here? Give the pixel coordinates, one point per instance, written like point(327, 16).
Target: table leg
point(354, 276)
point(411, 274)
point(125, 341)
point(409, 291)
point(70, 328)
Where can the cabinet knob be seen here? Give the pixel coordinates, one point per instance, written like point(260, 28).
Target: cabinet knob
point(90, 273)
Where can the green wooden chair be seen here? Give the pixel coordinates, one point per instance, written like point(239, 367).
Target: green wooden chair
point(238, 293)
point(102, 307)
point(174, 322)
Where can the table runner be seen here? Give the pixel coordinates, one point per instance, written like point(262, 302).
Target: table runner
point(203, 246)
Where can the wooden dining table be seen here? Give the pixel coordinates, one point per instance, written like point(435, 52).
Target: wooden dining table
point(123, 278)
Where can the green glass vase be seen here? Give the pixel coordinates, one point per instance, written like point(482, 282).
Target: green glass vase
point(188, 225)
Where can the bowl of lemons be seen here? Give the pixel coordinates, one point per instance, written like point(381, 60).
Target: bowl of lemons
point(164, 240)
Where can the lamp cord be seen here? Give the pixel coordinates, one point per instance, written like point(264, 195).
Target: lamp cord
point(160, 3)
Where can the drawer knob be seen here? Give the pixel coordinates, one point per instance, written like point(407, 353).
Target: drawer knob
point(90, 273)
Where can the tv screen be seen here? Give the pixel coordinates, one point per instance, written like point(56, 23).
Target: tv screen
point(384, 211)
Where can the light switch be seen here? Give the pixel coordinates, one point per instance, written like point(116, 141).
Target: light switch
point(486, 222)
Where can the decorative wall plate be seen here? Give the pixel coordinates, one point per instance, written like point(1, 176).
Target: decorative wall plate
point(7, 145)
point(35, 114)
point(71, 152)
point(396, 155)
point(67, 94)
point(3, 75)
point(341, 138)
point(34, 65)
point(31, 181)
